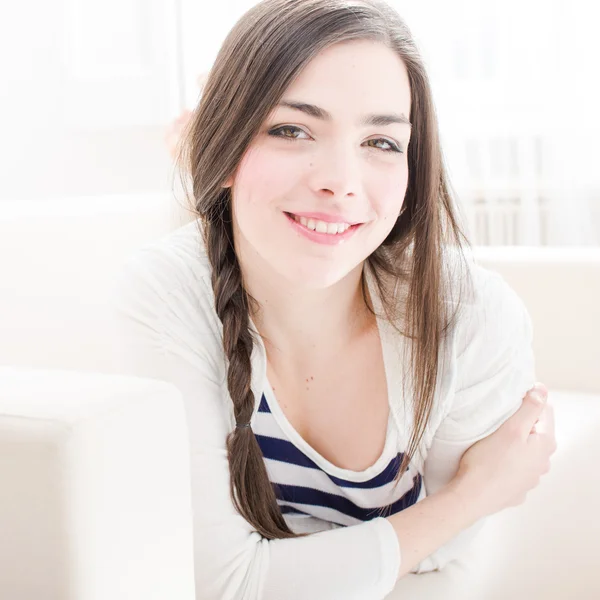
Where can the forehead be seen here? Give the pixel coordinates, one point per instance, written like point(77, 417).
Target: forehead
point(354, 77)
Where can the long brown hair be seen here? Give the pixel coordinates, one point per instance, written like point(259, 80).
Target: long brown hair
point(261, 56)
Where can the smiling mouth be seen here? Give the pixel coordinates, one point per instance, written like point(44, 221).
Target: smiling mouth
point(322, 236)
point(298, 217)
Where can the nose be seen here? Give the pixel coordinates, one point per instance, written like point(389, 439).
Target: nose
point(335, 172)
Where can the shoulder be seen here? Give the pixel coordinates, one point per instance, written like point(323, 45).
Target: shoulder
point(473, 285)
point(166, 286)
point(176, 261)
point(492, 359)
point(492, 345)
point(490, 310)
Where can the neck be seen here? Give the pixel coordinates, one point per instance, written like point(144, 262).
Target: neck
point(307, 324)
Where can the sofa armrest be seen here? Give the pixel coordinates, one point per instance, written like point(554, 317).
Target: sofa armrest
point(96, 497)
point(561, 288)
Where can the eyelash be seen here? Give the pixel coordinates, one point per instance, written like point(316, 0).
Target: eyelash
point(276, 133)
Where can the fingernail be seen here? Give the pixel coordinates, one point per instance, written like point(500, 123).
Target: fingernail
point(538, 396)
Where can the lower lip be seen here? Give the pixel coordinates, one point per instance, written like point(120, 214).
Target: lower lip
point(323, 238)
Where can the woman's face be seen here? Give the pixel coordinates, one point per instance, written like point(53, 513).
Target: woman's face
point(335, 145)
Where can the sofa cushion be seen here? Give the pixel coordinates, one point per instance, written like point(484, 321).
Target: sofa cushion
point(96, 499)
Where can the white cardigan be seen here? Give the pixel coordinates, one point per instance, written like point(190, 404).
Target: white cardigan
point(164, 313)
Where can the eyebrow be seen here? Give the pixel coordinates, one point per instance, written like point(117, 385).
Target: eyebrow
point(321, 113)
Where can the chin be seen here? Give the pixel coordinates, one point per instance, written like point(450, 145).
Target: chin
point(311, 277)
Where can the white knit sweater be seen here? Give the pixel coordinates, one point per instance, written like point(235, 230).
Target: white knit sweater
point(164, 313)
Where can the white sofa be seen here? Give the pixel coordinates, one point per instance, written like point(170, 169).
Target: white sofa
point(95, 499)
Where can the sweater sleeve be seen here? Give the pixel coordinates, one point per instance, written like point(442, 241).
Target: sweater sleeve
point(165, 330)
point(494, 369)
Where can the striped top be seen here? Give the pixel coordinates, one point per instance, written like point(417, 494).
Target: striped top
point(306, 486)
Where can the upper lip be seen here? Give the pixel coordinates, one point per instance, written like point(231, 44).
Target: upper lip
point(328, 218)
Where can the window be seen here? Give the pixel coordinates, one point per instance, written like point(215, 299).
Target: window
point(516, 99)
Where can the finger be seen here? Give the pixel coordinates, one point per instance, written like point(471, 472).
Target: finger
point(183, 117)
point(547, 419)
point(201, 80)
point(539, 388)
point(548, 424)
point(549, 414)
point(528, 414)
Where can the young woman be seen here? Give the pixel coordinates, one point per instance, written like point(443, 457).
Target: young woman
point(355, 385)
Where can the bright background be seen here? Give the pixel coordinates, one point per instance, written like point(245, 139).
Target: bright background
point(90, 88)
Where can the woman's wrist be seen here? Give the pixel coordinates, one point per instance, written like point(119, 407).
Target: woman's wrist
point(467, 498)
point(432, 522)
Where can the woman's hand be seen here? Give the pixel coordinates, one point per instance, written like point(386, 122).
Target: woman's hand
point(498, 471)
point(176, 127)
point(174, 132)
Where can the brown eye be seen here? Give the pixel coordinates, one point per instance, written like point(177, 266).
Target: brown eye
point(391, 147)
point(286, 131)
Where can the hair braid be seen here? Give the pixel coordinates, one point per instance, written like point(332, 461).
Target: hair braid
point(249, 479)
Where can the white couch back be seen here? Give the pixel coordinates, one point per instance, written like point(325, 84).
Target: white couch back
point(58, 258)
point(561, 288)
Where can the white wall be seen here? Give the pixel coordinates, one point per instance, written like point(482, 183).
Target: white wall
point(87, 91)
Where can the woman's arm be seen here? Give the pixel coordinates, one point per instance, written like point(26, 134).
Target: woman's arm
point(425, 526)
point(495, 473)
point(494, 369)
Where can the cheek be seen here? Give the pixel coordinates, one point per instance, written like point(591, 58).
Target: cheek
point(264, 177)
point(387, 188)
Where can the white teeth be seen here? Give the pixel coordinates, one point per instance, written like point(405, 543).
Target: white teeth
point(322, 226)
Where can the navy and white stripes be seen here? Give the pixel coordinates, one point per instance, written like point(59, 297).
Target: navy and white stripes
point(305, 485)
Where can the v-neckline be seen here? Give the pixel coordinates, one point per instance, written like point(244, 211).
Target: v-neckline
point(261, 385)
